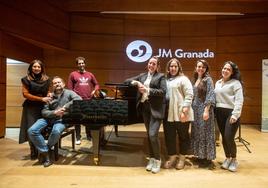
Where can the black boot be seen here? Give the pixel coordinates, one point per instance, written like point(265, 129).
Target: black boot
point(34, 152)
point(46, 160)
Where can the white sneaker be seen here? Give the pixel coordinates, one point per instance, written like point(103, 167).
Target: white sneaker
point(233, 165)
point(226, 163)
point(156, 167)
point(150, 164)
point(78, 142)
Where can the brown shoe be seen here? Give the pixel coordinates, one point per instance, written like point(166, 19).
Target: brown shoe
point(181, 162)
point(170, 162)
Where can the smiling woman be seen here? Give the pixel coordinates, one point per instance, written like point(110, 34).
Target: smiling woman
point(35, 86)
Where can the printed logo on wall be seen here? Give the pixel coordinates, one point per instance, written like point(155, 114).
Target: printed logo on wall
point(140, 51)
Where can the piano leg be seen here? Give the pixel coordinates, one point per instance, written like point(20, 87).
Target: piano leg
point(116, 130)
point(96, 142)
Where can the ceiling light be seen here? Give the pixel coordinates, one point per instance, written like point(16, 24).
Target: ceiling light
point(172, 13)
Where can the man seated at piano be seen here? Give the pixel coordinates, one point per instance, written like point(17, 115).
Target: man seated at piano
point(151, 105)
point(52, 115)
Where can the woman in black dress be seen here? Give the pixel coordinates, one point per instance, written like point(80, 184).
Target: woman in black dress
point(35, 90)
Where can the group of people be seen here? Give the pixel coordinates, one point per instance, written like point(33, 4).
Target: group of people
point(188, 110)
point(47, 101)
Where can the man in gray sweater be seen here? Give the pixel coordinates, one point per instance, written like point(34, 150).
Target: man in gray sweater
point(52, 113)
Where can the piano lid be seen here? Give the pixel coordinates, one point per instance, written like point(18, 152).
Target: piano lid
point(116, 84)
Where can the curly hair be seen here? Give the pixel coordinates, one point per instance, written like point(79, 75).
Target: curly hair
point(236, 72)
point(202, 86)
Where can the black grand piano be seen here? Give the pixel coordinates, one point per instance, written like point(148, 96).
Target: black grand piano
point(99, 112)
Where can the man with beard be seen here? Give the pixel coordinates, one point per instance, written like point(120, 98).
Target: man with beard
point(52, 115)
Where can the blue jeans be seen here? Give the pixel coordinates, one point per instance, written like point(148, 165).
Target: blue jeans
point(34, 133)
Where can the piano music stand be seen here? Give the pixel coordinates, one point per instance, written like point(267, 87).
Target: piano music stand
point(240, 139)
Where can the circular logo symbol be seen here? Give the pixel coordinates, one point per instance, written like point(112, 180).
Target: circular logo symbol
point(139, 51)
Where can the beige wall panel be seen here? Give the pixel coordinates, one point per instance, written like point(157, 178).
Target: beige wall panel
point(193, 28)
point(257, 25)
point(2, 123)
point(146, 28)
point(109, 43)
point(86, 24)
point(13, 116)
point(14, 96)
point(15, 72)
point(238, 44)
point(40, 30)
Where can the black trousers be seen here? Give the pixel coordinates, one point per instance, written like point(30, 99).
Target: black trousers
point(227, 131)
point(171, 131)
point(78, 131)
point(152, 126)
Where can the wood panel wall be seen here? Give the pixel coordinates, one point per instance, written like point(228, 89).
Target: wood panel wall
point(25, 31)
point(2, 93)
point(38, 22)
point(45, 31)
point(244, 41)
point(103, 40)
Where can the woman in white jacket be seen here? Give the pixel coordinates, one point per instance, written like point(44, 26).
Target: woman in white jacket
point(229, 103)
point(179, 114)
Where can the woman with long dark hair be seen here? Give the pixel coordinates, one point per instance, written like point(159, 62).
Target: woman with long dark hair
point(229, 103)
point(203, 128)
point(35, 88)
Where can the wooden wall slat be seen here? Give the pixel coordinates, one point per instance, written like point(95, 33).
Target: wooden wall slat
point(2, 68)
point(245, 61)
point(95, 25)
point(41, 10)
point(193, 28)
point(2, 96)
point(2, 123)
point(32, 28)
point(149, 28)
point(88, 42)
point(255, 25)
point(94, 60)
point(251, 115)
point(238, 44)
point(19, 49)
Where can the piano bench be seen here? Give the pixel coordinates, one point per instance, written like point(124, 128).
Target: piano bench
point(66, 132)
point(46, 132)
